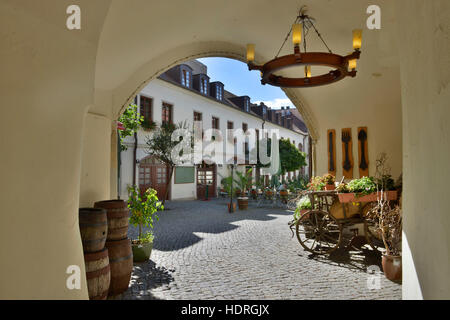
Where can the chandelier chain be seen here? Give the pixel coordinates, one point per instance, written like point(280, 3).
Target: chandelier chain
point(320, 36)
point(287, 37)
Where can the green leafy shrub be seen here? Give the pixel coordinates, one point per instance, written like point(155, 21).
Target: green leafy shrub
point(363, 186)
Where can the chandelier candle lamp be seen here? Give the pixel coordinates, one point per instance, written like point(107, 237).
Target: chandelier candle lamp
point(342, 66)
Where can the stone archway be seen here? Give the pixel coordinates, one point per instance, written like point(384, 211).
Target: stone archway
point(112, 103)
point(125, 94)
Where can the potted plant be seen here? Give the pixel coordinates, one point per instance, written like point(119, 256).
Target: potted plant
point(284, 193)
point(242, 181)
point(303, 206)
point(388, 220)
point(365, 190)
point(148, 125)
point(329, 180)
point(342, 188)
point(143, 208)
point(268, 192)
point(316, 184)
point(254, 193)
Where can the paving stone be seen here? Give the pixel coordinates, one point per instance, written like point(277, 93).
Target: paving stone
point(203, 252)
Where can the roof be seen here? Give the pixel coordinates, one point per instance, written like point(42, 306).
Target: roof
point(298, 125)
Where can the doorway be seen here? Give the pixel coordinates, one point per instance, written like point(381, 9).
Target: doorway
point(206, 180)
point(153, 174)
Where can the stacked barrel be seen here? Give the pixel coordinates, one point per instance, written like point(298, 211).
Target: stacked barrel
point(118, 244)
point(94, 228)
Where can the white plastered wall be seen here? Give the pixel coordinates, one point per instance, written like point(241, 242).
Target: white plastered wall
point(424, 42)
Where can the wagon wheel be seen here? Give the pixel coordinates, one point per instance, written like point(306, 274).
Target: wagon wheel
point(318, 232)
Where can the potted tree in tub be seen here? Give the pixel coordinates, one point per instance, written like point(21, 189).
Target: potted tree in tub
point(143, 210)
point(242, 181)
point(227, 184)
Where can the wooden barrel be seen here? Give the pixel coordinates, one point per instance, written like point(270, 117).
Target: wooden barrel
point(93, 228)
point(121, 262)
point(118, 215)
point(243, 203)
point(98, 274)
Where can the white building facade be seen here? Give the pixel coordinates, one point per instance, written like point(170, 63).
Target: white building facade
point(185, 94)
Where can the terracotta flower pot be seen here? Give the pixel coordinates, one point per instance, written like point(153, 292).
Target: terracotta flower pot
point(392, 267)
point(330, 187)
point(229, 207)
point(353, 197)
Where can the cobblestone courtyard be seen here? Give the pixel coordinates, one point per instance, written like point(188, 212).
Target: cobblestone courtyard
point(202, 252)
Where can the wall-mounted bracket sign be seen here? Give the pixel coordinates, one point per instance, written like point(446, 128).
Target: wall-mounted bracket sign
point(363, 152)
point(347, 154)
point(331, 137)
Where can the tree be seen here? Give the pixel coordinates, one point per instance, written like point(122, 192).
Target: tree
point(291, 158)
point(143, 211)
point(160, 145)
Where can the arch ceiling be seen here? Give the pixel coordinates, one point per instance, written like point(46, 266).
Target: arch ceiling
point(142, 39)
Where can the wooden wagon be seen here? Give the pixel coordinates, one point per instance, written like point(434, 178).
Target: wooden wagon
point(322, 229)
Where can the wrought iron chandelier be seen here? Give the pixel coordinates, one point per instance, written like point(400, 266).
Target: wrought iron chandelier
point(342, 66)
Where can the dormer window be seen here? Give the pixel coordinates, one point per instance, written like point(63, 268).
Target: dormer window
point(219, 93)
point(204, 86)
point(247, 105)
point(185, 78)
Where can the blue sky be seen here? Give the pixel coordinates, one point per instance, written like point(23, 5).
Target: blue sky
point(239, 80)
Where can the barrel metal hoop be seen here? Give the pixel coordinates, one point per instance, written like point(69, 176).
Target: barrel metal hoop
point(96, 273)
point(94, 240)
point(99, 224)
point(121, 258)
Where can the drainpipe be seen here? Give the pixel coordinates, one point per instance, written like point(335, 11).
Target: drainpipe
point(134, 157)
point(310, 157)
point(119, 163)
